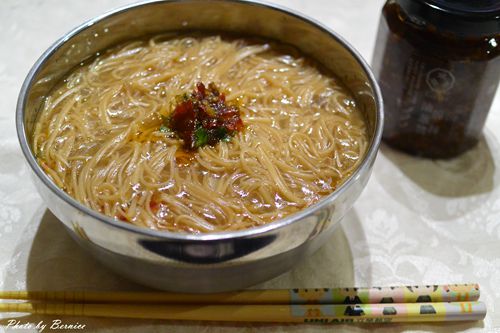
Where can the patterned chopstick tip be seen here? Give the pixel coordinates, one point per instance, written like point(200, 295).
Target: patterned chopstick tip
point(386, 313)
point(401, 294)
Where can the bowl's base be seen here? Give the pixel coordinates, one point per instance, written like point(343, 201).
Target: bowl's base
point(202, 278)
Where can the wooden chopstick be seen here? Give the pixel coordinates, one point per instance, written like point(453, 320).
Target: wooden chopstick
point(298, 313)
point(400, 294)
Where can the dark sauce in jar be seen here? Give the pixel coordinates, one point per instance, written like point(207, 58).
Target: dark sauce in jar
point(438, 66)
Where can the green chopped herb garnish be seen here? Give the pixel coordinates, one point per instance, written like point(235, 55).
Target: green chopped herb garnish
point(165, 129)
point(200, 137)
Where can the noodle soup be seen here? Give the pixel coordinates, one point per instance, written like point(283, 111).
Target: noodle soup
point(102, 136)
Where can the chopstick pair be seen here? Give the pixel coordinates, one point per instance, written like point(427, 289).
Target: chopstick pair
point(337, 305)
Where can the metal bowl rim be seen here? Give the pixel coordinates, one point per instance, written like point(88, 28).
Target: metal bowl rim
point(296, 217)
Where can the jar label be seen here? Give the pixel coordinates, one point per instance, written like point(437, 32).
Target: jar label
point(440, 80)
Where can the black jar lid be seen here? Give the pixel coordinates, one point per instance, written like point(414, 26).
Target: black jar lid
point(469, 17)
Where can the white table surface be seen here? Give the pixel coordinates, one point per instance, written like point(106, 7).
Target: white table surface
point(417, 222)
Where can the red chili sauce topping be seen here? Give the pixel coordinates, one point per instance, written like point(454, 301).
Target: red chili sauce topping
point(203, 117)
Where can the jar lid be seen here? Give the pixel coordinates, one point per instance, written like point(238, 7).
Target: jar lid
point(466, 17)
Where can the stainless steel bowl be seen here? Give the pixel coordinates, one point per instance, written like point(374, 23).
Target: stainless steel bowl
point(208, 262)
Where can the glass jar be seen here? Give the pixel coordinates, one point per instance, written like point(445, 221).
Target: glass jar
point(438, 66)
